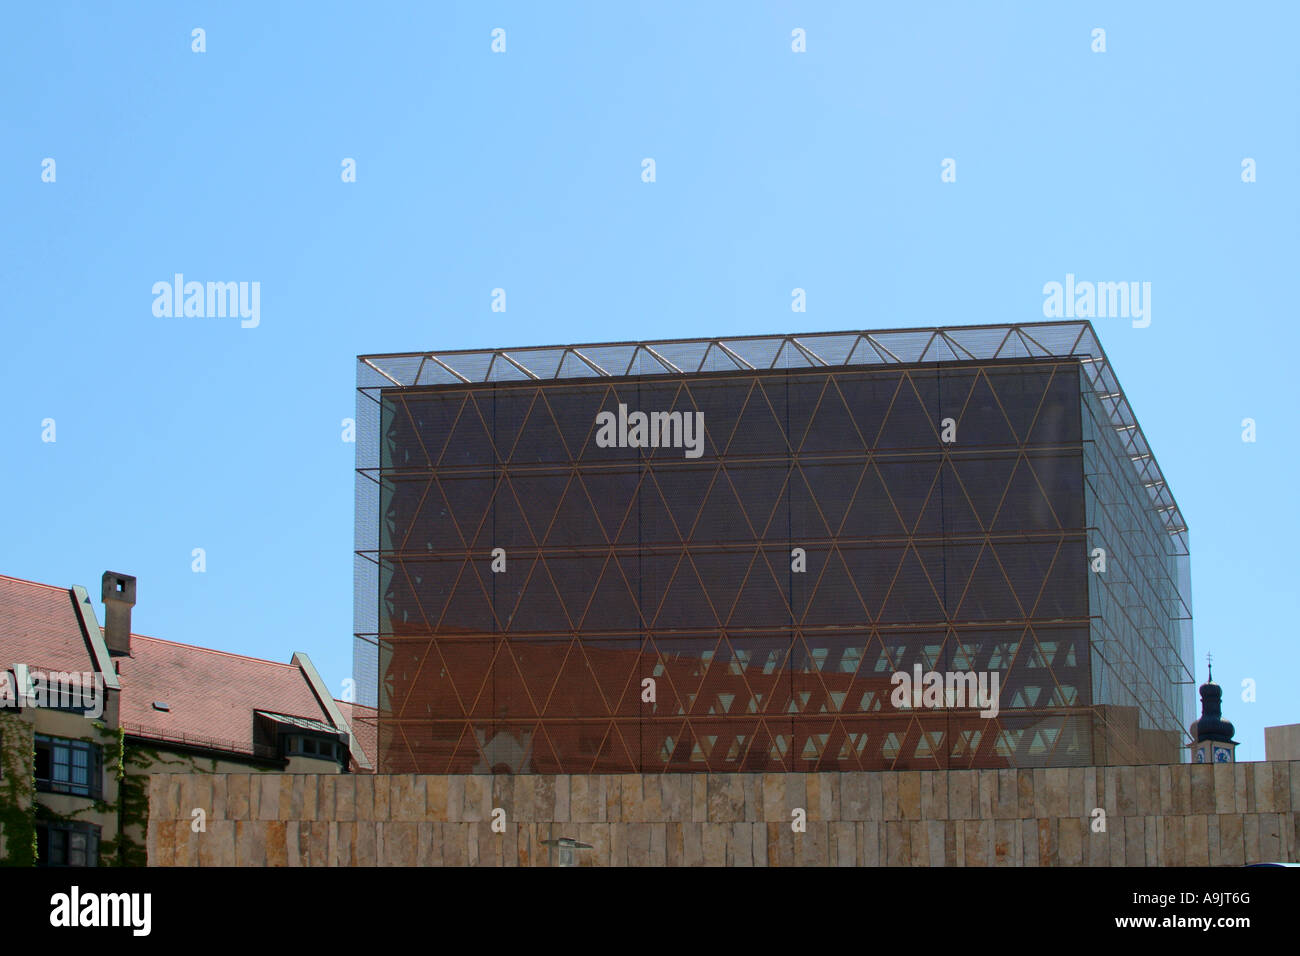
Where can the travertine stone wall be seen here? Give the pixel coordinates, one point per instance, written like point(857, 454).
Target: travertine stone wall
point(1174, 815)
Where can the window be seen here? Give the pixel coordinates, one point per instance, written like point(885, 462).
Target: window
point(302, 745)
point(68, 766)
point(67, 844)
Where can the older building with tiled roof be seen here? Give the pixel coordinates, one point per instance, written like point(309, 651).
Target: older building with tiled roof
point(163, 706)
point(59, 753)
point(43, 627)
point(252, 699)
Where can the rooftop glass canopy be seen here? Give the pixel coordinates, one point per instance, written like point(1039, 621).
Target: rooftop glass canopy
point(1075, 339)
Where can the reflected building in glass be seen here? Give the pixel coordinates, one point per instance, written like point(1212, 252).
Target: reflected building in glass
point(737, 555)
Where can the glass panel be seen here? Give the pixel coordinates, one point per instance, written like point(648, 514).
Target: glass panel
point(76, 849)
point(772, 574)
point(80, 766)
point(62, 757)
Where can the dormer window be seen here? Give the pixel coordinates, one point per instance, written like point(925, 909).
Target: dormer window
point(306, 745)
point(288, 736)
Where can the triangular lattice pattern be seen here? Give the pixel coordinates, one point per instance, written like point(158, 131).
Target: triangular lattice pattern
point(623, 564)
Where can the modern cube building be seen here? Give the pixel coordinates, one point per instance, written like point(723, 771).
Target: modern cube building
point(762, 553)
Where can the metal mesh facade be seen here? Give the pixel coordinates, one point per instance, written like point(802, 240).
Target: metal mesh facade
point(818, 537)
point(1140, 609)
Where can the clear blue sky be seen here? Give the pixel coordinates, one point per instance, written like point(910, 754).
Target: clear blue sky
point(522, 170)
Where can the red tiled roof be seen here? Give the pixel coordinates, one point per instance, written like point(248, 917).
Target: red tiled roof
point(39, 627)
point(211, 695)
point(364, 728)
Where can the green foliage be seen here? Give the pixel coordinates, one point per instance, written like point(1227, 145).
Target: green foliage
point(132, 766)
point(133, 801)
point(17, 787)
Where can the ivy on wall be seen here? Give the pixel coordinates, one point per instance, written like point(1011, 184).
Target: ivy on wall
point(132, 766)
point(17, 791)
point(110, 741)
point(133, 798)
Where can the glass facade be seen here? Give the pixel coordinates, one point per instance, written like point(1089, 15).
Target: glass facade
point(1140, 606)
point(741, 569)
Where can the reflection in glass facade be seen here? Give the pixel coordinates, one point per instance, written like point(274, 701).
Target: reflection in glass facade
point(536, 560)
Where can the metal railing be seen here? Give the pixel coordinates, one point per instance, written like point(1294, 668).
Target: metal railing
point(241, 748)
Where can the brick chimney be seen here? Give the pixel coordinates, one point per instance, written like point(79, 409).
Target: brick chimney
point(118, 594)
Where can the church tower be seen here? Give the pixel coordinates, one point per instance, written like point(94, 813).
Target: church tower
point(1212, 735)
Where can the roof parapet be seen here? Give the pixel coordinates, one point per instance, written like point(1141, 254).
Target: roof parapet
point(95, 637)
point(304, 664)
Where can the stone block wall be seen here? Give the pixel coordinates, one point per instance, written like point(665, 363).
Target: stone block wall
point(1174, 815)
